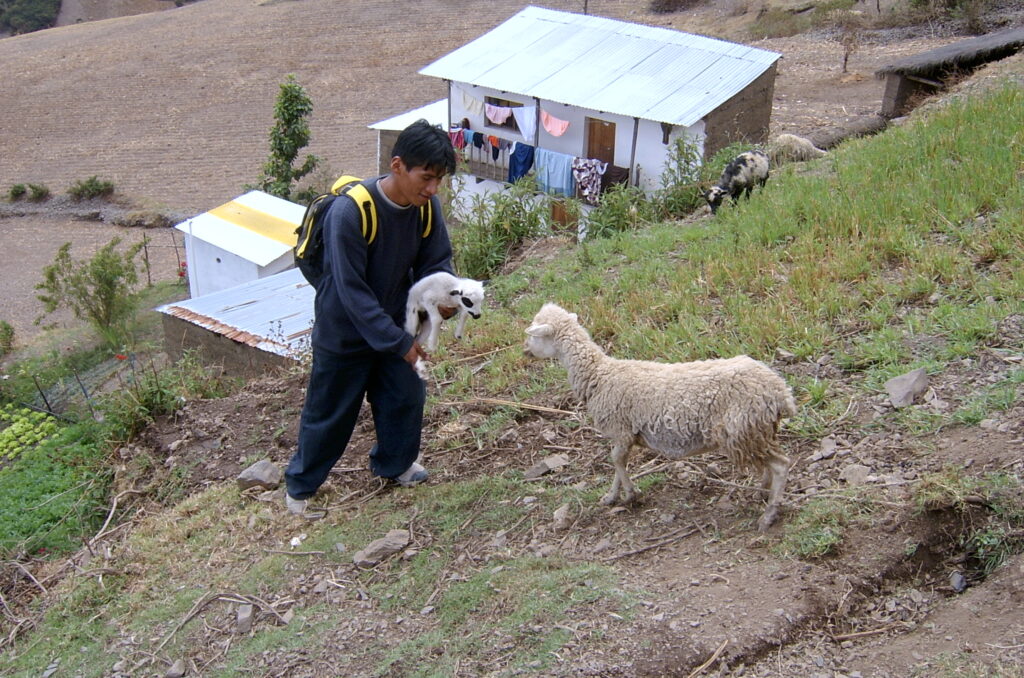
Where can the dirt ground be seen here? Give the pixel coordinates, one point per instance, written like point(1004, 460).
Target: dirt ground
point(714, 592)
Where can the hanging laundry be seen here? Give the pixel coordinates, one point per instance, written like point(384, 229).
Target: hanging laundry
point(478, 140)
point(472, 104)
point(587, 172)
point(553, 125)
point(554, 172)
point(493, 141)
point(526, 119)
point(497, 114)
point(614, 176)
point(519, 161)
point(458, 138)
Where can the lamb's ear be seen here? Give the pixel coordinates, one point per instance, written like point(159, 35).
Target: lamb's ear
point(574, 318)
point(540, 330)
point(455, 293)
point(485, 283)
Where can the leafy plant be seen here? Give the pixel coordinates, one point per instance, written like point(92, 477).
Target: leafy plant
point(100, 290)
point(17, 192)
point(38, 192)
point(681, 192)
point(93, 187)
point(25, 16)
point(288, 136)
point(819, 527)
point(6, 338)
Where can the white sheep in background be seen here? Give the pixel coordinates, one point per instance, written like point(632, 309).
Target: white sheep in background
point(678, 409)
point(740, 176)
point(791, 148)
point(440, 290)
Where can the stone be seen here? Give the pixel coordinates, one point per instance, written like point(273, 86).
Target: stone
point(561, 517)
point(855, 474)
point(263, 473)
point(958, 582)
point(243, 619)
point(177, 669)
point(546, 465)
point(379, 549)
point(905, 388)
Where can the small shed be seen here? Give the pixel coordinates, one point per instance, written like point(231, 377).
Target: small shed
point(246, 328)
point(929, 71)
point(248, 238)
point(388, 130)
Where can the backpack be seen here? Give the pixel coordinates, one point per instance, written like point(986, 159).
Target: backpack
point(309, 247)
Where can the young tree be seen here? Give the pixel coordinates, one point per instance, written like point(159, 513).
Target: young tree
point(100, 290)
point(288, 136)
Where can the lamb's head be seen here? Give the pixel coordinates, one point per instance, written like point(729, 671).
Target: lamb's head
point(540, 335)
point(470, 296)
point(714, 196)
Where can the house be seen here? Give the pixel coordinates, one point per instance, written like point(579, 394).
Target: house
point(248, 238)
point(247, 328)
point(388, 130)
point(575, 86)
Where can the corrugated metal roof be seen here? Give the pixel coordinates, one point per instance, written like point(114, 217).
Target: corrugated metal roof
point(274, 314)
point(435, 113)
point(606, 65)
point(256, 226)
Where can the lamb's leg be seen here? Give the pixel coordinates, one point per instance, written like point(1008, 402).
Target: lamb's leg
point(412, 319)
point(620, 457)
point(461, 325)
point(435, 326)
point(777, 469)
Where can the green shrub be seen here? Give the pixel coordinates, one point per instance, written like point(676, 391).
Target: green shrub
point(25, 16)
point(680, 193)
point(288, 136)
point(494, 225)
point(17, 191)
point(6, 337)
point(622, 208)
point(38, 192)
point(93, 187)
point(100, 291)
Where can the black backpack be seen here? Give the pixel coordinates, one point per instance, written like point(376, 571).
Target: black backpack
point(309, 247)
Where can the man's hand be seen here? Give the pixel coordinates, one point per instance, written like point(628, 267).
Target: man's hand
point(447, 311)
point(415, 353)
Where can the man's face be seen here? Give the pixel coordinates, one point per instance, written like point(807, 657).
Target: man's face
point(415, 186)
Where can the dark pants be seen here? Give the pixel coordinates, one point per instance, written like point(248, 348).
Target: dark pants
point(334, 396)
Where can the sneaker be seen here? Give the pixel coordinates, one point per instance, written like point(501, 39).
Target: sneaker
point(414, 475)
point(295, 506)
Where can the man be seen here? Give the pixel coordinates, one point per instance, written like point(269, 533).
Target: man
point(359, 345)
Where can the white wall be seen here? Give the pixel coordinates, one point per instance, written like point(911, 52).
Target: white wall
point(211, 269)
point(651, 153)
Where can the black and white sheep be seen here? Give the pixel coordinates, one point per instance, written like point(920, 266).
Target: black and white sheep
point(432, 293)
point(741, 175)
point(732, 405)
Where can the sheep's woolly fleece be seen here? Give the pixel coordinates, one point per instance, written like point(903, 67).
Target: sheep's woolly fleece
point(731, 404)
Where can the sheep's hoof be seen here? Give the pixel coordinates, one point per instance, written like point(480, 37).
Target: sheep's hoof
point(610, 499)
point(767, 519)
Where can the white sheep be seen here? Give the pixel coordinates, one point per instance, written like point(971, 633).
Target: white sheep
point(429, 294)
point(740, 176)
point(791, 148)
point(678, 409)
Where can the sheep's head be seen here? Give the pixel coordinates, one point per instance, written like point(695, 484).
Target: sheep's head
point(540, 335)
point(714, 197)
point(470, 296)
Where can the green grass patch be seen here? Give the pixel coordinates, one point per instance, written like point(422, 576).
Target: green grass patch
point(818, 528)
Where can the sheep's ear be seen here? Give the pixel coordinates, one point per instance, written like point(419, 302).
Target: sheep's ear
point(574, 318)
point(455, 293)
point(541, 330)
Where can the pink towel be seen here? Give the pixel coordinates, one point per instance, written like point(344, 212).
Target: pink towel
point(497, 114)
point(553, 125)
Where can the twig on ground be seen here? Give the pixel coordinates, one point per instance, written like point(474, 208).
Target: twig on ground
point(110, 514)
point(510, 403)
point(663, 542)
point(860, 634)
point(710, 661)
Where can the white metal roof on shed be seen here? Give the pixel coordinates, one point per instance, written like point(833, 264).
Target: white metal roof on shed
point(256, 226)
point(435, 113)
point(606, 65)
point(274, 314)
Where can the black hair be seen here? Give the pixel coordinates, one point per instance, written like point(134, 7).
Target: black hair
point(423, 145)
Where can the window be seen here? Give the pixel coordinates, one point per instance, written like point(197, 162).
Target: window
point(509, 124)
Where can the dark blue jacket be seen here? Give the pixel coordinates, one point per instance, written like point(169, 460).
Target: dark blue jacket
point(360, 302)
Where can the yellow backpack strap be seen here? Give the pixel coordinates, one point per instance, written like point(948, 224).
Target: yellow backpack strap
point(427, 217)
point(361, 195)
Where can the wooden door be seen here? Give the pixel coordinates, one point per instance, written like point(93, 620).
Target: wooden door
point(600, 140)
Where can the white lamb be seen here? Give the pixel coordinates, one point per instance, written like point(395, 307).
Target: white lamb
point(678, 409)
point(440, 290)
point(791, 148)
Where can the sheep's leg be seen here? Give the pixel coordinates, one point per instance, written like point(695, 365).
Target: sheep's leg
point(412, 319)
point(776, 470)
point(435, 326)
point(461, 325)
point(620, 458)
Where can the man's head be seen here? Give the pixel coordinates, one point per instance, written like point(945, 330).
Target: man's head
point(421, 157)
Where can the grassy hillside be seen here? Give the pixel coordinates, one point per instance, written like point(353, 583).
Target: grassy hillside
point(895, 252)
